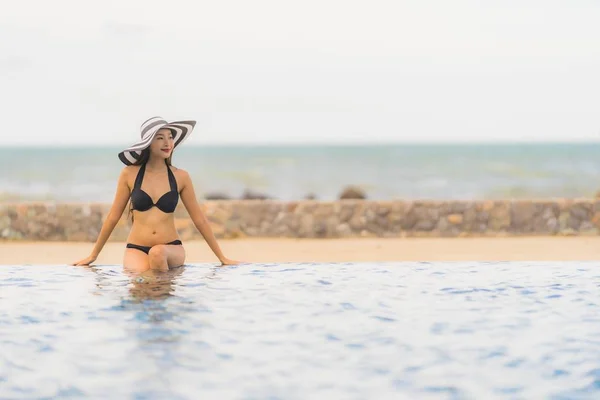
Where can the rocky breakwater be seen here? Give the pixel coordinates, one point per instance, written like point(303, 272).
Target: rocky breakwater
point(315, 219)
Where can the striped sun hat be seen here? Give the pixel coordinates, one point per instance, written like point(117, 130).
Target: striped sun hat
point(180, 129)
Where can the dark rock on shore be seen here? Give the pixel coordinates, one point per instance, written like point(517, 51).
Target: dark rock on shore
point(252, 195)
point(353, 192)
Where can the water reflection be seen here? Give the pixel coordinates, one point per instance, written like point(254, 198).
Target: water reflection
point(157, 304)
point(153, 285)
point(157, 309)
point(147, 285)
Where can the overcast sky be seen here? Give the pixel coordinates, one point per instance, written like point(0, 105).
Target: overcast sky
point(89, 72)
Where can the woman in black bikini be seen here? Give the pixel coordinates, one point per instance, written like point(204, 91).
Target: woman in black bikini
point(153, 241)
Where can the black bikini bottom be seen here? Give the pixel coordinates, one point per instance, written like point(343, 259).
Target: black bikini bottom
point(146, 249)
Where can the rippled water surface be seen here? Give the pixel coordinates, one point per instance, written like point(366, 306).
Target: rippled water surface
point(300, 331)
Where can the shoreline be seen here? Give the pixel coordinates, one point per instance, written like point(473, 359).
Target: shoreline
point(280, 250)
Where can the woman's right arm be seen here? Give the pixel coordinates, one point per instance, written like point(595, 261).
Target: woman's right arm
point(115, 213)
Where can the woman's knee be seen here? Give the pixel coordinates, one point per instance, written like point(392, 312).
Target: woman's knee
point(157, 253)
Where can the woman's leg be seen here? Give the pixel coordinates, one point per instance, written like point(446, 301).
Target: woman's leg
point(136, 260)
point(164, 256)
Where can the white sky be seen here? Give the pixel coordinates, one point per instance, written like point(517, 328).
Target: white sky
point(279, 71)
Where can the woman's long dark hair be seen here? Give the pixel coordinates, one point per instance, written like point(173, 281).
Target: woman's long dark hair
point(144, 157)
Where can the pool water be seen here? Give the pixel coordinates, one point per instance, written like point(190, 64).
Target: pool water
point(303, 331)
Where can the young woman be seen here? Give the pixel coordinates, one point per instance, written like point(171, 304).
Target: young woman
point(154, 187)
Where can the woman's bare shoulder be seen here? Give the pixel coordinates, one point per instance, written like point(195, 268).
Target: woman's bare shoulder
point(180, 172)
point(181, 175)
point(130, 169)
point(129, 172)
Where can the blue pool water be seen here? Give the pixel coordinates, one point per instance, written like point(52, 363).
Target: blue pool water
point(300, 331)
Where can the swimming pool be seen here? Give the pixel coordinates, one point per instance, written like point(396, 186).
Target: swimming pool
point(298, 331)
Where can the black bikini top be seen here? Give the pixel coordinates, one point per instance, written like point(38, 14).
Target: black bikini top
point(141, 201)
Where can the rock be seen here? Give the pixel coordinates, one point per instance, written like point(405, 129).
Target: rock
point(352, 192)
point(384, 210)
point(499, 217)
point(218, 215)
point(563, 220)
point(553, 225)
point(357, 222)
point(291, 206)
point(425, 225)
point(546, 219)
point(320, 229)
point(443, 225)
point(306, 225)
point(4, 222)
point(455, 219)
point(421, 217)
point(580, 211)
point(587, 226)
point(596, 219)
point(236, 233)
point(252, 195)
point(369, 214)
point(216, 196)
point(377, 226)
point(347, 211)
point(218, 230)
point(343, 230)
point(521, 218)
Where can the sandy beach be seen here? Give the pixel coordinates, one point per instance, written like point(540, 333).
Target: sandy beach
point(331, 250)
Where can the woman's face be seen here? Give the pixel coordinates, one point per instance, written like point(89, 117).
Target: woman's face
point(162, 144)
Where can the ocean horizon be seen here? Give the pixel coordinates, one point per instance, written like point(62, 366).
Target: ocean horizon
point(441, 171)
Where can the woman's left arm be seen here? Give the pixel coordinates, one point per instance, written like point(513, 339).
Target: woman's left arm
point(188, 197)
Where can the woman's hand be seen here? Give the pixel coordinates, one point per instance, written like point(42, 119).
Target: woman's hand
point(227, 261)
point(86, 261)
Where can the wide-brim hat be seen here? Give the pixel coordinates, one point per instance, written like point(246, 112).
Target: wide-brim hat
point(181, 130)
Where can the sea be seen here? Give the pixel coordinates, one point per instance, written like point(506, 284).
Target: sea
point(397, 330)
point(383, 172)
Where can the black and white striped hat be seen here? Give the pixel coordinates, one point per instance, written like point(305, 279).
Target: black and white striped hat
point(180, 129)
